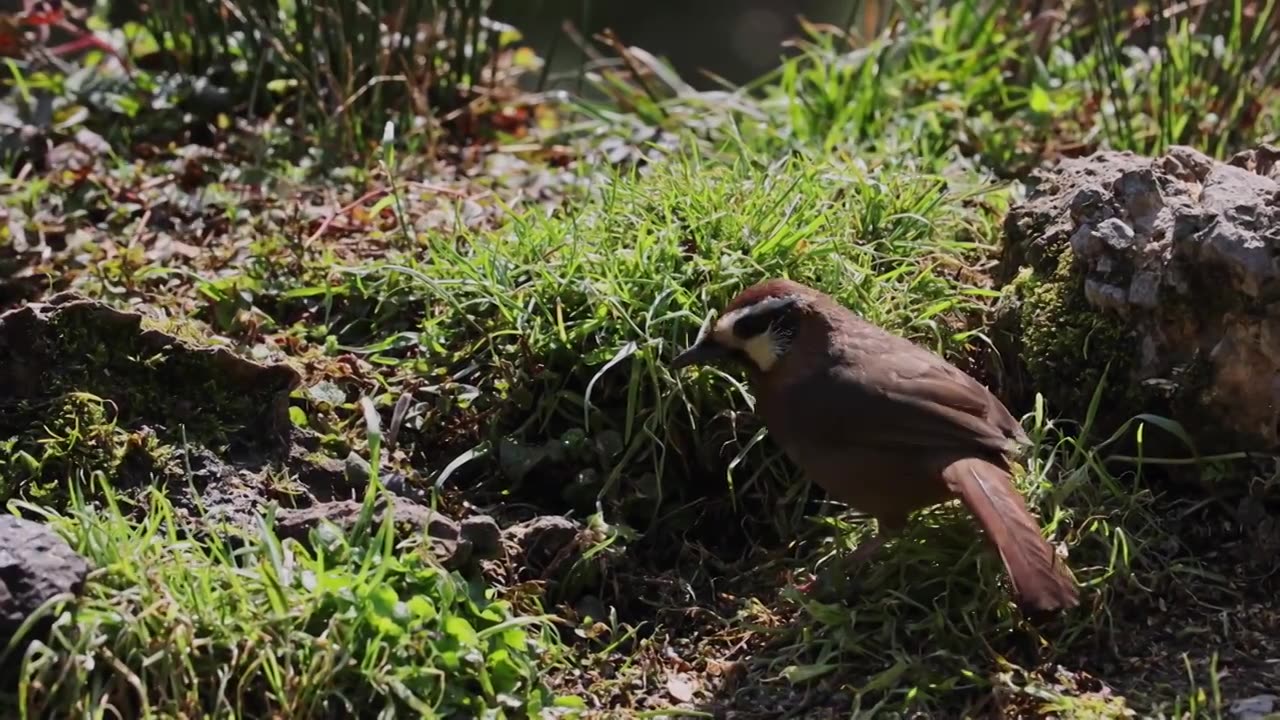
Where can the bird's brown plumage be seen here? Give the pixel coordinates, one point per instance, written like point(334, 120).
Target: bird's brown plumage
point(889, 427)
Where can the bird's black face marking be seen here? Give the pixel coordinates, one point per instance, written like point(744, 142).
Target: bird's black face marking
point(770, 316)
point(749, 326)
point(754, 335)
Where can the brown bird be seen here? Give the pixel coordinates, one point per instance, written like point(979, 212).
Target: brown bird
point(882, 424)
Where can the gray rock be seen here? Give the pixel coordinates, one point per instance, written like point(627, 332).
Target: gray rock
point(1183, 253)
point(544, 542)
point(484, 535)
point(1115, 233)
point(1144, 289)
point(357, 470)
point(1106, 296)
point(590, 606)
point(448, 545)
point(35, 565)
point(1258, 707)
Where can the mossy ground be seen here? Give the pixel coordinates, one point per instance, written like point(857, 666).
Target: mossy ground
point(488, 326)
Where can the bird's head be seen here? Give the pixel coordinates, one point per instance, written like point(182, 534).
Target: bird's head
point(756, 328)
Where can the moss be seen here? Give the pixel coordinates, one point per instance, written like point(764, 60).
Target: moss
point(1066, 345)
point(67, 438)
point(184, 393)
point(97, 397)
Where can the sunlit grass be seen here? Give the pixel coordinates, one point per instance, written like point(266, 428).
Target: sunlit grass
point(861, 167)
point(179, 624)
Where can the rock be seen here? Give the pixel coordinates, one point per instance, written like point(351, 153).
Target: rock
point(449, 546)
point(545, 543)
point(357, 470)
point(1165, 268)
point(35, 565)
point(591, 606)
point(323, 476)
point(327, 479)
point(155, 379)
point(484, 535)
point(1258, 707)
point(1260, 526)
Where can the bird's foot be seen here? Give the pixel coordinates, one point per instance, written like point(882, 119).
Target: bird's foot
point(835, 582)
point(828, 585)
point(865, 551)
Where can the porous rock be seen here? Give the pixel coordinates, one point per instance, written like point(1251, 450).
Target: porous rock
point(484, 534)
point(545, 543)
point(1258, 707)
point(35, 566)
point(1164, 267)
point(228, 415)
point(152, 378)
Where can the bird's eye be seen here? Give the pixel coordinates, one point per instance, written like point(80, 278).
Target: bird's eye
point(763, 316)
point(749, 326)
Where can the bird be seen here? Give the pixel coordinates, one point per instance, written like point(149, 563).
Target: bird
point(882, 424)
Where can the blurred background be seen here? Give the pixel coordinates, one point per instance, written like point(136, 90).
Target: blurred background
point(735, 39)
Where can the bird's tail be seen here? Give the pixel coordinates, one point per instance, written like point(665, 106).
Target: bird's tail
point(1039, 582)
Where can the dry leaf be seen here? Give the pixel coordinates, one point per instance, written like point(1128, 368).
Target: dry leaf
point(682, 687)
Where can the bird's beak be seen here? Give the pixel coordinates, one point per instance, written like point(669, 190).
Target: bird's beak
point(704, 350)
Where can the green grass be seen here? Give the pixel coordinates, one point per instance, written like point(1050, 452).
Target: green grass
point(174, 624)
point(528, 314)
point(342, 69)
point(1001, 85)
point(567, 321)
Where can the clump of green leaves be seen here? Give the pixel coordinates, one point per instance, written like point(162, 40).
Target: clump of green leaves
point(173, 623)
point(58, 441)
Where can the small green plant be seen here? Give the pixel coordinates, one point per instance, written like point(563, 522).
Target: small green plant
point(174, 623)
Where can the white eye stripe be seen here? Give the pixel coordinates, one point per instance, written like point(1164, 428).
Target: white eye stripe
point(766, 305)
point(725, 324)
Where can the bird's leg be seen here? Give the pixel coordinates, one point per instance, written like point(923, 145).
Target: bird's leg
point(866, 550)
point(886, 529)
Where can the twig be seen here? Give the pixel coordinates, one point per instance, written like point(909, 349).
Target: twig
point(441, 190)
point(324, 225)
point(609, 37)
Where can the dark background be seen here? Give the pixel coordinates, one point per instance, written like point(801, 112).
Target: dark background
point(736, 39)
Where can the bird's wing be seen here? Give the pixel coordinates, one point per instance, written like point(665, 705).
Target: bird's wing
point(906, 399)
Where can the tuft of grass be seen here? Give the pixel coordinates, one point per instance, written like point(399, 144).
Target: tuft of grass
point(564, 323)
point(338, 70)
point(179, 623)
point(1200, 75)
